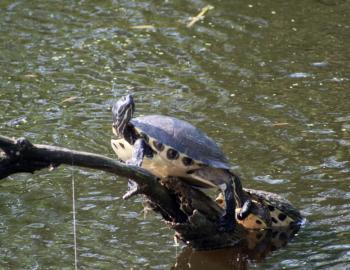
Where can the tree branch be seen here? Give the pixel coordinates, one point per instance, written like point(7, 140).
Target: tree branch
point(22, 156)
point(192, 214)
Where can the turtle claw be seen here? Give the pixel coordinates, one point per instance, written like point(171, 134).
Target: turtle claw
point(226, 223)
point(245, 210)
point(140, 147)
point(133, 189)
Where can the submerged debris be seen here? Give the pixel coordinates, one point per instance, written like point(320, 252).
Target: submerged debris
point(145, 26)
point(199, 16)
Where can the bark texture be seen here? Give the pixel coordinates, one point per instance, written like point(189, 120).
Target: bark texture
point(192, 214)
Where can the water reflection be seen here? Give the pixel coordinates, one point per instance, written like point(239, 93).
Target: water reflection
point(255, 246)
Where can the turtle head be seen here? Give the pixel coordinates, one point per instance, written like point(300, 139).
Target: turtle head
point(122, 112)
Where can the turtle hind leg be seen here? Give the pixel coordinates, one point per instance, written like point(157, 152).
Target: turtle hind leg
point(227, 220)
point(213, 177)
point(140, 149)
point(245, 210)
point(243, 201)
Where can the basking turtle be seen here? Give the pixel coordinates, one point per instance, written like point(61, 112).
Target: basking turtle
point(267, 210)
point(167, 146)
point(282, 213)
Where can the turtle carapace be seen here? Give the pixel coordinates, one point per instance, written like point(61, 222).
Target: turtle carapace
point(167, 146)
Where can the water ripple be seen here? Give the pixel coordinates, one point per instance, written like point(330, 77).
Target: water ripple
point(273, 96)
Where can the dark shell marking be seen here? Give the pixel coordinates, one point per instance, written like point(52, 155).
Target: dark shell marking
point(158, 145)
point(271, 208)
point(144, 136)
point(182, 137)
point(172, 154)
point(187, 161)
point(282, 213)
point(282, 216)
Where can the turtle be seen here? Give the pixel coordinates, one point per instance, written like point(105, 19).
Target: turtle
point(169, 147)
point(267, 211)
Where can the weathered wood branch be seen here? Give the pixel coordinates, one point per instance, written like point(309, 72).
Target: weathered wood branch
point(192, 214)
point(22, 156)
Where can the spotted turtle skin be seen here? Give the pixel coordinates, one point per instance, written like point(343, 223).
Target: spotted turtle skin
point(268, 210)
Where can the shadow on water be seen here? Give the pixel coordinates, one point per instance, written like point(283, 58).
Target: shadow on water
point(255, 247)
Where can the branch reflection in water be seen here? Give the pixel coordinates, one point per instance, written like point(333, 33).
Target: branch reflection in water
point(255, 246)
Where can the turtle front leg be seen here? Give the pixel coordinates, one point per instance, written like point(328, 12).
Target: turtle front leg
point(140, 149)
point(227, 221)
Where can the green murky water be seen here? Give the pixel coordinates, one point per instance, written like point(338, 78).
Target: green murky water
point(269, 80)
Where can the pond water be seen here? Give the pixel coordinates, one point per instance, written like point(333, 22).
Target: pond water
point(268, 80)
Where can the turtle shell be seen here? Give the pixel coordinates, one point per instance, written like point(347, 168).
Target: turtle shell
point(183, 137)
point(282, 212)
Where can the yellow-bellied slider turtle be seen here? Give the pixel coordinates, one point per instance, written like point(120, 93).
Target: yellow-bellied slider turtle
point(167, 146)
point(281, 212)
point(267, 210)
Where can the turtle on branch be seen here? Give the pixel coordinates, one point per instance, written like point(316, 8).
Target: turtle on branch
point(167, 146)
point(191, 213)
point(170, 147)
point(167, 160)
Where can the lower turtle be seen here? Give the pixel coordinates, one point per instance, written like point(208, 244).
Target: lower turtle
point(267, 211)
point(167, 146)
